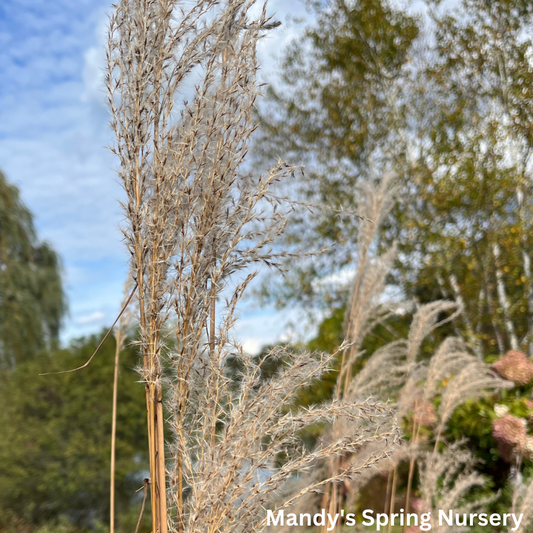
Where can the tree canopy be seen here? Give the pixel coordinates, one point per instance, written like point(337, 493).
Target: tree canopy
point(444, 103)
point(32, 301)
point(56, 438)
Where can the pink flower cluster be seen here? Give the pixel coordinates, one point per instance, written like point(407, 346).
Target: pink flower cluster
point(510, 435)
point(516, 367)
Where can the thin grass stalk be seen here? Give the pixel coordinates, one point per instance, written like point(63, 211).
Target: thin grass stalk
point(124, 322)
point(386, 505)
point(118, 340)
point(161, 470)
point(329, 502)
point(334, 502)
point(414, 442)
point(393, 495)
point(138, 253)
point(145, 494)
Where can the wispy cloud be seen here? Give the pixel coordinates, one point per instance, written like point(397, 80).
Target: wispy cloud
point(53, 133)
point(93, 318)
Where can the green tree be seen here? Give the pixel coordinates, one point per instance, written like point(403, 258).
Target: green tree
point(32, 301)
point(338, 109)
point(465, 226)
point(446, 106)
point(56, 434)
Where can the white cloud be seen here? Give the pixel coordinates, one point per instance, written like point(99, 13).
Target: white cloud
point(92, 75)
point(53, 131)
point(94, 65)
point(93, 318)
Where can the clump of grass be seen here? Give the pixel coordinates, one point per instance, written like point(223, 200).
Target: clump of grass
point(196, 221)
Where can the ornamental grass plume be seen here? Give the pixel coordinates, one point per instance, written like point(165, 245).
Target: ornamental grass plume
point(364, 312)
point(475, 380)
point(449, 359)
point(425, 321)
point(196, 224)
point(372, 380)
point(405, 367)
point(407, 380)
point(524, 505)
point(414, 383)
point(446, 481)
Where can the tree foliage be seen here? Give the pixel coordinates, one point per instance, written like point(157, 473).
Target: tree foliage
point(445, 104)
point(333, 111)
point(467, 233)
point(55, 439)
point(32, 301)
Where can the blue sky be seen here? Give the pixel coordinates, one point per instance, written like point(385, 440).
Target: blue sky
point(53, 133)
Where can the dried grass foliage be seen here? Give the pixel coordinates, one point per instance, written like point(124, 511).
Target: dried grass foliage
point(524, 505)
point(446, 481)
point(194, 219)
point(400, 373)
point(364, 312)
